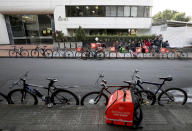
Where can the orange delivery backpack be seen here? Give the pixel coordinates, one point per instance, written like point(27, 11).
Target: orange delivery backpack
point(123, 109)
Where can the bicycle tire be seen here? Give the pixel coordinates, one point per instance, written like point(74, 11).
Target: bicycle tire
point(85, 55)
point(4, 99)
point(48, 53)
point(56, 53)
point(34, 53)
point(184, 55)
point(145, 97)
point(112, 54)
point(137, 116)
point(100, 55)
point(56, 96)
point(90, 101)
point(12, 53)
point(172, 91)
point(127, 55)
point(21, 101)
point(24, 53)
point(69, 54)
point(78, 55)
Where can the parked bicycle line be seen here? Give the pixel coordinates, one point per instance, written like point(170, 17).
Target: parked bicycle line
point(28, 93)
point(45, 51)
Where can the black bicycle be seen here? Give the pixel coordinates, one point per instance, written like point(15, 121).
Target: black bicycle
point(38, 51)
point(96, 54)
point(28, 95)
point(4, 99)
point(18, 52)
point(100, 97)
point(164, 96)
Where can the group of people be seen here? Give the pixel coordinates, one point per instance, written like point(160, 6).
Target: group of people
point(150, 44)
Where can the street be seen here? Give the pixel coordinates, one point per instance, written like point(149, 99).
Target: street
point(84, 73)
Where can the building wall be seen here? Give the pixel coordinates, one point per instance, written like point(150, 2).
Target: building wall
point(48, 6)
point(57, 7)
point(4, 39)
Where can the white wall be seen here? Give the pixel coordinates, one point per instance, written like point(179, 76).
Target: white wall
point(4, 39)
point(104, 22)
point(177, 36)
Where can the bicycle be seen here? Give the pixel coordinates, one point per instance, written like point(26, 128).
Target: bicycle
point(27, 95)
point(96, 54)
point(180, 54)
point(166, 96)
point(58, 52)
point(41, 51)
point(100, 98)
point(4, 99)
point(18, 52)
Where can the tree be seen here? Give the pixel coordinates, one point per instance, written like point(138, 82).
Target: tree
point(181, 17)
point(171, 15)
point(80, 34)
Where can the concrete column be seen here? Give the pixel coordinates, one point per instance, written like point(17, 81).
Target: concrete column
point(60, 19)
point(4, 38)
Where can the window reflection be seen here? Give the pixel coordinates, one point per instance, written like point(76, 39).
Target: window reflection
point(133, 11)
point(31, 29)
point(107, 11)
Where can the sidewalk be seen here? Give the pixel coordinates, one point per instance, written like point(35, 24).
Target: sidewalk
point(80, 118)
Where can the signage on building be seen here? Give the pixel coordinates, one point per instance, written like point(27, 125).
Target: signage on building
point(62, 18)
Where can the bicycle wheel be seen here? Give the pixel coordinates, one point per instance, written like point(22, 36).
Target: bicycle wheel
point(3, 99)
point(12, 53)
point(48, 53)
point(100, 55)
point(34, 53)
point(137, 116)
point(127, 55)
point(20, 96)
point(112, 54)
point(64, 97)
point(145, 97)
point(56, 53)
point(78, 55)
point(94, 98)
point(69, 54)
point(85, 55)
point(24, 53)
point(172, 96)
point(184, 55)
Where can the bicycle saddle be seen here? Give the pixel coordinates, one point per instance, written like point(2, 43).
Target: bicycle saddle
point(168, 78)
point(129, 82)
point(52, 79)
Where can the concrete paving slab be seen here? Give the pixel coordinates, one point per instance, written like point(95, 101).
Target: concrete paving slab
point(81, 118)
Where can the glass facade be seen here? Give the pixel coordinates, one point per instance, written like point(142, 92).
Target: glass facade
point(31, 29)
point(108, 11)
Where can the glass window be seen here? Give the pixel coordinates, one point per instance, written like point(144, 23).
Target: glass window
point(45, 25)
point(108, 11)
point(29, 28)
point(120, 10)
point(31, 25)
point(17, 26)
point(101, 11)
point(46, 41)
point(126, 11)
point(140, 12)
point(20, 41)
point(147, 12)
point(113, 11)
point(133, 11)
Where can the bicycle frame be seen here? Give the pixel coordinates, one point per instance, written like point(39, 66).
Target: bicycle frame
point(156, 84)
point(139, 82)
